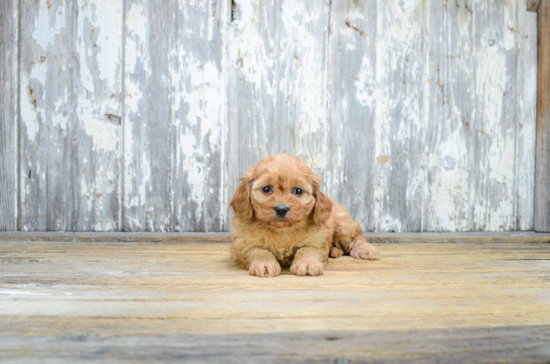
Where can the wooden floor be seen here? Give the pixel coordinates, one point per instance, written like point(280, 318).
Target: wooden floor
point(61, 302)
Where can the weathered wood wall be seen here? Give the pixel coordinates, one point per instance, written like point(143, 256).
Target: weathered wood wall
point(542, 186)
point(128, 116)
point(9, 37)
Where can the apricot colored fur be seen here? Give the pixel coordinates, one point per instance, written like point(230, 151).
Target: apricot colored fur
point(314, 227)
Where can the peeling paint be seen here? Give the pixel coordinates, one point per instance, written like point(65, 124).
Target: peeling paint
point(357, 104)
point(54, 25)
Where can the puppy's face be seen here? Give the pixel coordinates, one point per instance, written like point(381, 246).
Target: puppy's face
point(282, 196)
point(281, 191)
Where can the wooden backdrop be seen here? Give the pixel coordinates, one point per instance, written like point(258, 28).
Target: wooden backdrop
point(140, 115)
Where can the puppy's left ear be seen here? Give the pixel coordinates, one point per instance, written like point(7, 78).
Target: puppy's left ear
point(322, 209)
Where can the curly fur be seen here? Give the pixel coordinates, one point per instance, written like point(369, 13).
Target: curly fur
point(314, 227)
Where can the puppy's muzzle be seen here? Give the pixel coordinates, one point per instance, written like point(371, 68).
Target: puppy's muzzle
point(281, 210)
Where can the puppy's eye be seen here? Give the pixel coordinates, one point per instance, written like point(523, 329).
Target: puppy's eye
point(266, 189)
point(297, 191)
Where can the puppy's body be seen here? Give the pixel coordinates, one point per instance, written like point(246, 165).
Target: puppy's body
point(314, 225)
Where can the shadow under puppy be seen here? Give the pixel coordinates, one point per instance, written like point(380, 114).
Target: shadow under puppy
point(282, 218)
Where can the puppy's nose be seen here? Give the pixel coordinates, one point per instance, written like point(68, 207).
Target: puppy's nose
point(281, 210)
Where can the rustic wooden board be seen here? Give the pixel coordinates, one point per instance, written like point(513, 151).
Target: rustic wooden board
point(9, 152)
point(173, 115)
point(493, 193)
point(398, 171)
point(276, 84)
point(156, 301)
point(533, 5)
point(448, 130)
point(386, 238)
point(148, 141)
point(527, 344)
point(542, 183)
point(352, 87)
point(198, 116)
point(419, 115)
point(527, 118)
point(70, 113)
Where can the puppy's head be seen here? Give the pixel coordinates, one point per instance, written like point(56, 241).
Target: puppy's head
point(281, 191)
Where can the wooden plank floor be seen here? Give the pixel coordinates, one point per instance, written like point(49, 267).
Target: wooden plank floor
point(62, 302)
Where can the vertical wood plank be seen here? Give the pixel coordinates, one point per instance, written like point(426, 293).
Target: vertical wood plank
point(400, 61)
point(9, 36)
point(542, 183)
point(448, 123)
point(198, 112)
point(70, 81)
point(97, 83)
point(527, 117)
point(493, 191)
point(174, 107)
point(46, 123)
point(533, 5)
point(148, 115)
point(277, 83)
point(352, 107)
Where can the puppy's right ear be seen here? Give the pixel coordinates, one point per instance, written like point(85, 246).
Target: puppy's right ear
point(241, 203)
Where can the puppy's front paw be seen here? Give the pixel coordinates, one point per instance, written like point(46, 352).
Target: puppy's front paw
point(307, 266)
point(364, 251)
point(264, 268)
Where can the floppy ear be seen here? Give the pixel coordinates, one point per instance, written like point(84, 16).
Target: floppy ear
point(241, 201)
point(322, 209)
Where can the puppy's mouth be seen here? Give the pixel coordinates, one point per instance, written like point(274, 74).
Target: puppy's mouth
point(280, 221)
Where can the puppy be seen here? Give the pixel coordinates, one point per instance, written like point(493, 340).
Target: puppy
point(283, 219)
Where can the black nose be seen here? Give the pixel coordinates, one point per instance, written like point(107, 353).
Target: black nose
point(281, 210)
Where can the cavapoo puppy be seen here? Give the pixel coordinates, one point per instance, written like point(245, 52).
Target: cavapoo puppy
point(282, 218)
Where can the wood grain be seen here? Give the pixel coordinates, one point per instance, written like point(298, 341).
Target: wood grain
point(174, 112)
point(485, 302)
point(148, 141)
point(542, 183)
point(399, 122)
point(493, 193)
point(533, 5)
point(198, 116)
point(526, 344)
point(352, 85)
point(449, 128)
point(418, 115)
point(9, 189)
point(386, 238)
point(527, 118)
point(70, 110)
point(276, 84)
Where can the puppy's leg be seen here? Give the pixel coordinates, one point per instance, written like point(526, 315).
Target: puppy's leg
point(336, 252)
point(360, 249)
point(259, 262)
point(350, 235)
point(309, 261)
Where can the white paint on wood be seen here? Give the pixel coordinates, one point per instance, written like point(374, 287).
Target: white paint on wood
point(174, 113)
point(527, 117)
point(398, 174)
point(9, 120)
point(447, 137)
point(418, 115)
point(197, 115)
point(70, 84)
point(277, 83)
point(351, 76)
point(493, 193)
